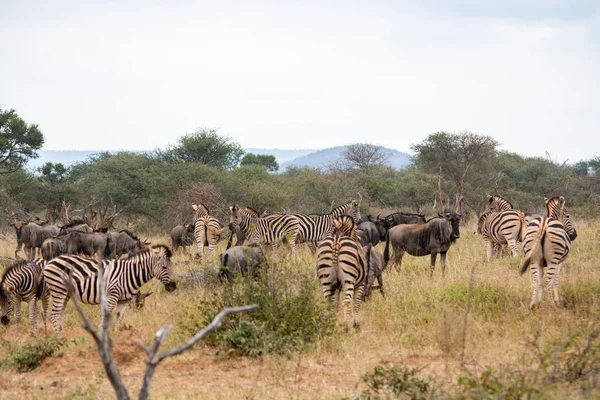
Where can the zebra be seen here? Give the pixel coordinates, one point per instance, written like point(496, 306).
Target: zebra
point(546, 244)
point(498, 228)
point(314, 228)
point(267, 230)
point(23, 281)
point(207, 232)
point(498, 203)
point(341, 264)
point(124, 278)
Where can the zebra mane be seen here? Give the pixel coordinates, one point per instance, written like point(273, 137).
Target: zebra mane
point(253, 211)
point(130, 233)
point(498, 198)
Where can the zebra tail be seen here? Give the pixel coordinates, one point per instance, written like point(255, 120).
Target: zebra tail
point(386, 252)
point(40, 288)
point(206, 234)
point(537, 243)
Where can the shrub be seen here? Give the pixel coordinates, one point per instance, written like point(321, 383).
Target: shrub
point(393, 381)
point(30, 356)
point(289, 315)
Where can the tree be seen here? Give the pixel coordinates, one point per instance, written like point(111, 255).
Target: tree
point(19, 141)
point(205, 146)
point(455, 154)
point(364, 156)
point(266, 160)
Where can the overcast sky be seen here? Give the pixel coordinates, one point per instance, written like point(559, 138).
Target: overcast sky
point(290, 74)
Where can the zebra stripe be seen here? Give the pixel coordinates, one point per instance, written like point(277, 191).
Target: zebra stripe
point(314, 228)
point(266, 230)
point(547, 245)
point(498, 228)
point(498, 204)
point(124, 278)
point(556, 209)
point(23, 282)
point(341, 264)
point(207, 232)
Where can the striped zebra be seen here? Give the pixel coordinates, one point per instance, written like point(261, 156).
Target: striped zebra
point(341, 264)
point(314, 228)
point(207, 232)
point(23, 281)
point(124, 278)
point(265, 230)
point(498, 203)
point(498, 228)
point(546, 245)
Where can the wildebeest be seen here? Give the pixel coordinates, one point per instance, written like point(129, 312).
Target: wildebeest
point(433, 237)
point(18, 225)
point(124, 242)
point(89, 244)
point(375, 267)
point(370, 232)
point(401, 218)
point(76, 225)
point(54, 247)
point(33, 235)
point(242, 260)
point(182, 235)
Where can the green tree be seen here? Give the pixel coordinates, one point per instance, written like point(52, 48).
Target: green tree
point(266, 160)
point(205, 146)
point(455, 154)
point(19, 141)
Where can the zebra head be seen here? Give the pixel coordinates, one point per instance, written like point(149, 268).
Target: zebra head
point(498, 204)
point(200, 210)
point(556, 209)
point(6, 304)
point(162, 266)
point(350, 209)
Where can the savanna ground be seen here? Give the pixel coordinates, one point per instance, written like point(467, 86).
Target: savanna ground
point(420, 323)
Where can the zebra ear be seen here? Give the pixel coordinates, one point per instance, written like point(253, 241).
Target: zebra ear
point(546, 200)
point(195, 207)
point(561, 201)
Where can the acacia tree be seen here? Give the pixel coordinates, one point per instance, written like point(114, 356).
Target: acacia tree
point(264, 160)
point(365, 156)
point(19, 141)
point(205, 146)
point(455, 154)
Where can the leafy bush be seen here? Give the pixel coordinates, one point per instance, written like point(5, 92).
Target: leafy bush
point(30, 356)
point(399, 382)
point(289, 315)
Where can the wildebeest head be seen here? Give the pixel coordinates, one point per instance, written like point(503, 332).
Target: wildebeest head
point(454, 220)
point(163, 266)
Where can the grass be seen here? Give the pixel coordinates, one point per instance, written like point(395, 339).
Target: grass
point(420, 323)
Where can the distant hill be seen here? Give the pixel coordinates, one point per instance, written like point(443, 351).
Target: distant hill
point(285, 158)
point(323, 158)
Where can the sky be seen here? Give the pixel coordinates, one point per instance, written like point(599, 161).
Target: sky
point(138, 74)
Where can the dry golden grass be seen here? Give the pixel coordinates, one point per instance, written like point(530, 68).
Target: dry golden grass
point(420, 322)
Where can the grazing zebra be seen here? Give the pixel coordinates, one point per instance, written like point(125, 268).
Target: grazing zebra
point(498, 228)
point(267, 230)
point(341, 264)
point(498, 204)
point(314, 228)
point(23, 281)
point(207, 232)
point(547, 243)
point(124, 278)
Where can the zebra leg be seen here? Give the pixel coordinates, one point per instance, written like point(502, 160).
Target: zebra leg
point(551, 279)
point(348, 295)
point(433, 257)
point(58, 308)
point(121, 307)
point(358, 294)
point(536, 285)
point(46, 307)
point(33, 317)
point(18, 313)
point(489, 248)
point(512, 243)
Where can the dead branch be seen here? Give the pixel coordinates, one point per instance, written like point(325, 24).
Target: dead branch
point(154, 358)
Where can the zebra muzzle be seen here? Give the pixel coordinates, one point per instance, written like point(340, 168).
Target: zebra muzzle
point(170, 286)
point(5, 320)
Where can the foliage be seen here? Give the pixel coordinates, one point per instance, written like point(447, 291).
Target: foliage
point(364, 157)
point(19, 141)
point(265, 160)
point(289, 316)
point(205, 146)
point(398, 382)
point(30, 356)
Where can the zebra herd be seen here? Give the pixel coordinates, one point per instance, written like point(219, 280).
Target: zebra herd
point(546, 240)
point(342, 261)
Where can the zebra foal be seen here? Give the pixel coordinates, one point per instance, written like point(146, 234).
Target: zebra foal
point(547, 243)
point(498, 228)
point(207, 230)
point(23, 282)
point(341, 264)
point(124, 278)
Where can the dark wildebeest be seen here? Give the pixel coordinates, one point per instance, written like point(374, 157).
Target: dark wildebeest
point(401, 218)
point(242, 260)
point(76, 225)
point(124, 242)
point(239, 234)
point(182, 235)
point(89, 244)
point(54, 247)
point(33, 235)
point(375, 267)
point(370, 233)
point(435, 236)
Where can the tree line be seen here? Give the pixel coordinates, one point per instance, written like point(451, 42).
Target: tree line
point(154, 190)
